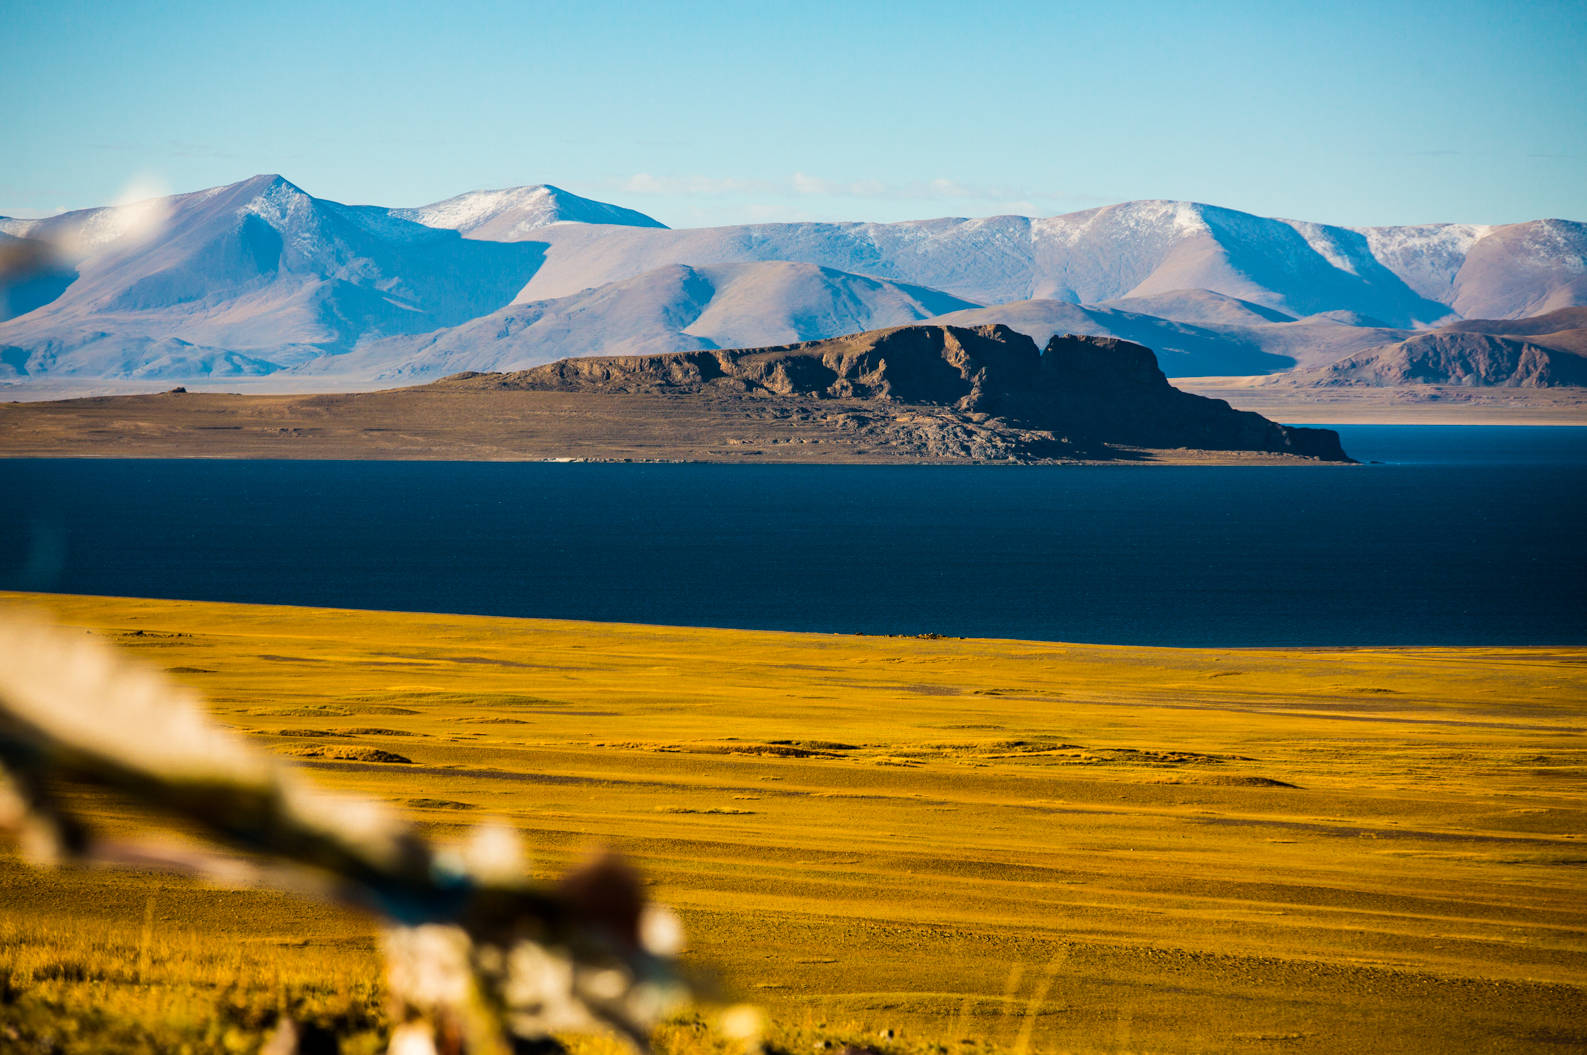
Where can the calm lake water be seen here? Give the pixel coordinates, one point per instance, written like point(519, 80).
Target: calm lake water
point(1463, 536)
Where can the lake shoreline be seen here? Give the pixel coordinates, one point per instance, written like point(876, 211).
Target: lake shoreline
point(436, 423)
point(1466, 535)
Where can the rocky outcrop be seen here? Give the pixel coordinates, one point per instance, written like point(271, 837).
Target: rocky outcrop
point(1543, 351)
point(1077, 394)
point(1113, 390)
point(1468, 359)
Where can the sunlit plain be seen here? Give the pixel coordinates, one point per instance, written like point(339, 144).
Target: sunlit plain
point(975, 844)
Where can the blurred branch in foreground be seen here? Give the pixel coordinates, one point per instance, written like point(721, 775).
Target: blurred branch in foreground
point(480, 958)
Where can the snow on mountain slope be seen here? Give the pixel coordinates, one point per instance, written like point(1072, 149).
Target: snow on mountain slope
point(260, 276)
point(510, 215)
point(1425, 256)
point(1129, 250)
point(672, 309)
point(1523, 269)
point(81, 233)
point(261, 269)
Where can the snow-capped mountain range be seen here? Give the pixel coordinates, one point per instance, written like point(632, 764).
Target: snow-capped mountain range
point(509, 215)
point(262, 278)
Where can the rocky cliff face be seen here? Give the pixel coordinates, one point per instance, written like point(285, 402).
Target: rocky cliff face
point(1114, 390)
point(1083, 391)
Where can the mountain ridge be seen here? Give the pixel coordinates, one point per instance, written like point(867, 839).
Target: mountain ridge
point(512, 213)
point(260, 277)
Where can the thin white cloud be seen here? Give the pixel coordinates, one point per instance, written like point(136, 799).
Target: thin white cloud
point(645, 183)
point(940, 188)
point(803, 184)
point(815, 186)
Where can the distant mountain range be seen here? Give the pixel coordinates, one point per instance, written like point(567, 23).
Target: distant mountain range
point(260, 278)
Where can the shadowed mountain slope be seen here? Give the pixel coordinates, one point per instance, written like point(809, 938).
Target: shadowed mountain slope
point(1199, 306)
point(31, 275)
point(1563, 328)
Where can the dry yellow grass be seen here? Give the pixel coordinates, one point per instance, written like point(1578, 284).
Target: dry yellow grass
point(975, 843)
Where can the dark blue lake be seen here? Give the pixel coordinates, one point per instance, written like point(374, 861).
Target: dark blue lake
point(1465, 536)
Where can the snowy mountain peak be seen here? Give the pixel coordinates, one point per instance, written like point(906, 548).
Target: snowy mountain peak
point(1183, 218)
point(511, 213)
point(273, 199)
point(288, 282)
point(266, 182)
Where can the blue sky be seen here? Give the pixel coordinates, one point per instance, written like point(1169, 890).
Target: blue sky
point(1355, 113)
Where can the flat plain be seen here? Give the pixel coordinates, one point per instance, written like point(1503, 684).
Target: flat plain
point(980, 845)
point(1419, 404)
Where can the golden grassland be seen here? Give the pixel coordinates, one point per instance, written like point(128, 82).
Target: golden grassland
point(981, 845)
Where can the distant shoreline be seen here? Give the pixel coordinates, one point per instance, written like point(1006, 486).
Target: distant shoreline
point(430, 424)
point(1398, 405)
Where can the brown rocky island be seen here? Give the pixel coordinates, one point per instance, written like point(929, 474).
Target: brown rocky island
point(913, 393)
